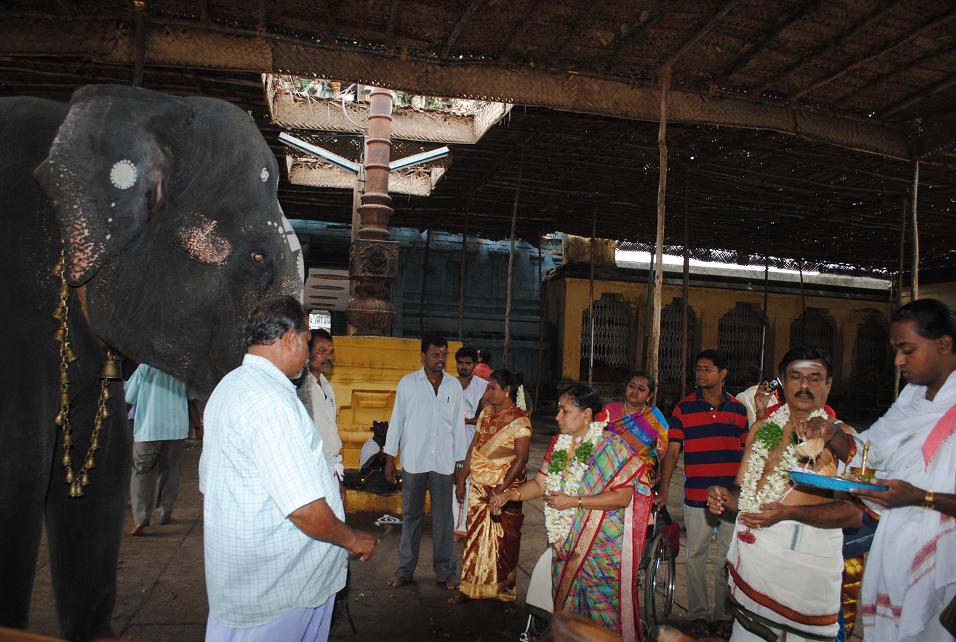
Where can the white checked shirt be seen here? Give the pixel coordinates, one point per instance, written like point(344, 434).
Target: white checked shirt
point(162, 411)
point(428, 428)
point(262, 459)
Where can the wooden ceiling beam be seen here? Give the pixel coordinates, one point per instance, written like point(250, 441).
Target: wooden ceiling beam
point(466, 16)
point(830, 48)
point(636, 33)
point(331, 23)
point(902, 71)
point(918, 97)
point(393, 16)
point(868, 58)
point(519, 30)
point(726, 8)
point(578, 27)
point(781, 24)
point(941, 135)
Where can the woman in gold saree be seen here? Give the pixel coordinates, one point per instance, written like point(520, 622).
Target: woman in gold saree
point(496, 460)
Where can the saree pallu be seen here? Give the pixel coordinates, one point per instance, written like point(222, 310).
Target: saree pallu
point(493, 542)
point(594, 572)
point(645, 432)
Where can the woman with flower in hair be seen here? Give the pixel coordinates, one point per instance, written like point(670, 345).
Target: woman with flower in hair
point(589, 480)
point(496, 461)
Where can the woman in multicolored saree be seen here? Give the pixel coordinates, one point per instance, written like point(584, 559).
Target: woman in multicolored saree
point(637, 421)
point(496, 460)
point(589, 481)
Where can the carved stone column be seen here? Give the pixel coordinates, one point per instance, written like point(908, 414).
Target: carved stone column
point(373, 258)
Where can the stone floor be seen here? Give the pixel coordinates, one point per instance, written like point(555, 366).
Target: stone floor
point(162, 596)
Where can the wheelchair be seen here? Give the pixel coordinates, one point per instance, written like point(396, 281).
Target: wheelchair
point(656, 579)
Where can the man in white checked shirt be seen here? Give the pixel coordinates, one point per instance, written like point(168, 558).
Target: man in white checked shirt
point(428, 427)
point(276, 544)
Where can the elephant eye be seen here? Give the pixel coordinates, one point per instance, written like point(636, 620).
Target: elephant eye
point(258, 257)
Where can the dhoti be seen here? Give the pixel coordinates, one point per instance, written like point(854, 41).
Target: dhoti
point(787, 580)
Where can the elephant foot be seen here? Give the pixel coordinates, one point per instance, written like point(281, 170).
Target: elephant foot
point(138, 529)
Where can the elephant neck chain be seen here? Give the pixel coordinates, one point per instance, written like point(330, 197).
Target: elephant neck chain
point(76, 481)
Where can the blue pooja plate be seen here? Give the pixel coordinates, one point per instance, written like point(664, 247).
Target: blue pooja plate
point(807, 478)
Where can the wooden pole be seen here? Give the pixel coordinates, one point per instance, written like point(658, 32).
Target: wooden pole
point(461, 277)
point(763, 331)
point(685, 295)
point(902, 266)
point(899, 289)
point(511, 261)
point(591, 298)
point(421, 295)
point(541, 313)
point(803, 307)
point(914, 276)
point(659, 245)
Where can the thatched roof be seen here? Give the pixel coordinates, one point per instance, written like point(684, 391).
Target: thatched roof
point(795, 121)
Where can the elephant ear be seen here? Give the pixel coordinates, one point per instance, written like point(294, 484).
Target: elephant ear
point(105, 171)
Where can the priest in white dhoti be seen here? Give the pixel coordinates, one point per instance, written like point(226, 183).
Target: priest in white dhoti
point(319, 399)
point(910, 574)
point(785, 562)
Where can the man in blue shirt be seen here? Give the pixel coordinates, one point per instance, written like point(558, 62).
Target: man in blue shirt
point(275, 540)
point(160, 427)
point(428, 427)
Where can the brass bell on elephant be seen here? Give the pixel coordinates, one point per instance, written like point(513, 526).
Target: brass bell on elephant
point(59, 419)
point(70, 355)
point(60, 334)
point(111, 367)
point(69, 476)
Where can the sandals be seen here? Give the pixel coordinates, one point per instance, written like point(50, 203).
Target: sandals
point(398, 582)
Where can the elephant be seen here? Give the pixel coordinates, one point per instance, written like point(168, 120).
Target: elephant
point(163, 212)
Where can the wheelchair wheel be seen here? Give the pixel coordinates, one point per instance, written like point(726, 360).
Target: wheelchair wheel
point(658, 582)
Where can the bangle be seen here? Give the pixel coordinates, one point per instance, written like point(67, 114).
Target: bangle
point(928, 500)
point(580, 502)
point(517, 490)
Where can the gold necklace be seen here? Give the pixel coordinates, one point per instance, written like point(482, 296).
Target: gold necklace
point(109, 371)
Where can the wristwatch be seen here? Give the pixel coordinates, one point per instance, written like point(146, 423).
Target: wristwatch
point(928, 500)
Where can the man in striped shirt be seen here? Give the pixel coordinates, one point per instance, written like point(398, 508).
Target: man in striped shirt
point(710, 426)
point(160, 426)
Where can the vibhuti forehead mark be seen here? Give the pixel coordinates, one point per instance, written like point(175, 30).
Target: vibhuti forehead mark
point(808, 364)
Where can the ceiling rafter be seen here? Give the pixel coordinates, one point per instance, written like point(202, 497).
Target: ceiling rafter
point(636, 33)
point(941, 135)
point(578, 27)
point(519, 30)
point(393, 16)
point(826, 49)
point(918, 97)
point(781, 24)
point(862, 60)
point(466, 15)
point(700, 33)
point(902, 71)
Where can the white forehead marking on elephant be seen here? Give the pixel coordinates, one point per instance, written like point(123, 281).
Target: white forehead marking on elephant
point(264, 174)
point(293, 242)
point(109, 220)
point(123, 175)
point(204, 244)
point(113, 204)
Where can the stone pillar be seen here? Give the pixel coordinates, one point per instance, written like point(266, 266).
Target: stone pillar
point(373, 258)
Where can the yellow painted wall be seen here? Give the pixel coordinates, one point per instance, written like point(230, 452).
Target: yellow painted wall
point(945, 292)
point(569, 299)
point(366, 375)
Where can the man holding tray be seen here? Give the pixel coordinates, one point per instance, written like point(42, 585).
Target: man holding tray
point(910, 574)
point(785, 561)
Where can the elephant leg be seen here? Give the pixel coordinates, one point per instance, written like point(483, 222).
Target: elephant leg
point(24, 477)
point(85, 533)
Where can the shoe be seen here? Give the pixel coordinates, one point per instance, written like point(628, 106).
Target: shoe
point(138, 529)
point(724, 628)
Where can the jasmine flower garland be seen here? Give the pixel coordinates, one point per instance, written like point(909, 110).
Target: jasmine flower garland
point(768, 438)
point(565, 476)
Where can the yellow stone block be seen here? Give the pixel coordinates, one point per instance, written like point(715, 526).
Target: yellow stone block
point(366, 375)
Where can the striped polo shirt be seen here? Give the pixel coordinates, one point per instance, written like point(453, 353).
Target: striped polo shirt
point(713, 441)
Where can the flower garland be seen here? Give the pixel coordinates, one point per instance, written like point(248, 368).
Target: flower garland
point(565, 473)
point(768, 438)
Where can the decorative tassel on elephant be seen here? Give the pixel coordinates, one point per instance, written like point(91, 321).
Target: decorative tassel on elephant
point(165, 211)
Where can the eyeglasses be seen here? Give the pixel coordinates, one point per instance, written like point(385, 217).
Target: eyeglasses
point(706, 369)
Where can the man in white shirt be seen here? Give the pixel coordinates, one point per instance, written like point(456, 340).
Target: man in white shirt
point(321, 398)
point(472, 391)
point(274, 537)
point(428, 427)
